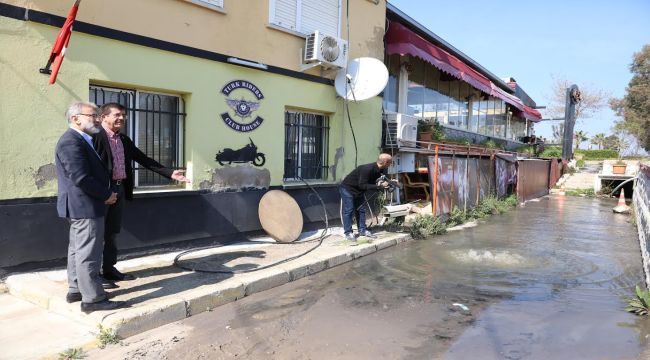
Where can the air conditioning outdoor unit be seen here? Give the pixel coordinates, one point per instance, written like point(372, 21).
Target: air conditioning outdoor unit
point(403, 162)
point(401, 130)
point(326, 50)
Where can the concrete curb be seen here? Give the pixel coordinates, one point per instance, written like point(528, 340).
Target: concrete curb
point(46, 290)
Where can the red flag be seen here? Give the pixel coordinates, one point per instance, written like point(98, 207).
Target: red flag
point(61, 43)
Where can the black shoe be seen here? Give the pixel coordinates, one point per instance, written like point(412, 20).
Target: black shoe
point(73, 297)
point(101, 305)
point(116, 275)
point(107, 284)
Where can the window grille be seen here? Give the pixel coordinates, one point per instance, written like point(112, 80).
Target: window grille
point(155, 124)
point(306, 146)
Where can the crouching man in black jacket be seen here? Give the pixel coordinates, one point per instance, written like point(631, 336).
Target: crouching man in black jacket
point(353, 189)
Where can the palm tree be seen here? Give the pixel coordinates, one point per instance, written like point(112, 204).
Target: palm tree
point(598, 139)
point(580, 137)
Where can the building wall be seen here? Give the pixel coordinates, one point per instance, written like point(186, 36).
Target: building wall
point(242, 30)
point(32, 111)
point(32, 114)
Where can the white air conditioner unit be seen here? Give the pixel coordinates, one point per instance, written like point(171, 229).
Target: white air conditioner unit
point(403, 162)
point(325, 50)
point(401, 130)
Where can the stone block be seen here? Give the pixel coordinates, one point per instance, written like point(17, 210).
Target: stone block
point(264, 280)
point(209, 298)
point(136, 320)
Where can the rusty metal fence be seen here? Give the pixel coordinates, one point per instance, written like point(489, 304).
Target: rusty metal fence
point(460, 181)
point(463, 181)
point(533, 178)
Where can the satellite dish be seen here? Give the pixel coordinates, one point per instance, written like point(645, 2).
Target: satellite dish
point(363, 79)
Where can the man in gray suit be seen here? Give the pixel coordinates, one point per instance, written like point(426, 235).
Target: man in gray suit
point(83, 195)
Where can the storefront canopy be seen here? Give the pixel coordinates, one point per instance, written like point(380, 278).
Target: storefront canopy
point(401, 40)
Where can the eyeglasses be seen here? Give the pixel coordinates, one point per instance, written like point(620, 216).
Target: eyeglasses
point(94, 116)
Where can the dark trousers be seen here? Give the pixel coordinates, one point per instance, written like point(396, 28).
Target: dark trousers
point(111, 229)
point(352, 206)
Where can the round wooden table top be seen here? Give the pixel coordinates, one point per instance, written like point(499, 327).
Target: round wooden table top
point(280, 216)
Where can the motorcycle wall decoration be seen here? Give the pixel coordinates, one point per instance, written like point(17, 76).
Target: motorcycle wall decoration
point(238, 97)
point(246, 154)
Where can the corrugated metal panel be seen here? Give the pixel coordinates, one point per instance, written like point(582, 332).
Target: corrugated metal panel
point(461, 182)
point(506, 177)
point(533, 178)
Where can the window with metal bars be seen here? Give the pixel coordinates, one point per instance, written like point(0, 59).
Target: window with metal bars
point(306, 146)
point(155, 124)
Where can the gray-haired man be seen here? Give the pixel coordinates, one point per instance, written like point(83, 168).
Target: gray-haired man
point(83, 195)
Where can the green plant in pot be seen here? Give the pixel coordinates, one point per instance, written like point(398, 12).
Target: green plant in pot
point(619, 167)
point(425, 131)
point(430, 131)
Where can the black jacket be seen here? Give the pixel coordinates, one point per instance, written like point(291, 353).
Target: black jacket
point(83, 181)
point(131, 153)
point(363, 178)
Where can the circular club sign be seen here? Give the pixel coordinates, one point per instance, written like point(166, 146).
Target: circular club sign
point(243, 98)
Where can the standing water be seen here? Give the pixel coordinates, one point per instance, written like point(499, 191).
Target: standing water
point(545, 281)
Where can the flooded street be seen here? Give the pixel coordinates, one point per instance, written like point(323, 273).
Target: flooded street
point(541, 282)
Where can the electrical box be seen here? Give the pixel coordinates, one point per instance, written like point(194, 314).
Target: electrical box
point(403, 162)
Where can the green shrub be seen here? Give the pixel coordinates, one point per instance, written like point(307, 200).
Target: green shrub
point(491, 144)
point(426, 225)
point(511, 201)
point(107, 336)
point(461, 141)
point(580, 163)
point(72, 353)
point(581, 192)
point(525, 149)
point(551, 152)
point(456, 217)
point(598, 154)
point(437, 131)
point(491, 205)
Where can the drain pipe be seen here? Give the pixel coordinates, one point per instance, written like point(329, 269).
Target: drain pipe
point(621, 184)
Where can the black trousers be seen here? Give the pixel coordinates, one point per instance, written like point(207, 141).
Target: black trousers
point(113, 225)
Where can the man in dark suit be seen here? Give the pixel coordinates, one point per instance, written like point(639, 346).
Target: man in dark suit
point(117, 152)
point(83, 194)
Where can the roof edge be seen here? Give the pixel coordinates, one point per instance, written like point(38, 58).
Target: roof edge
point(431, 36)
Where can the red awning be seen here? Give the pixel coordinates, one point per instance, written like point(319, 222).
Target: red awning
point(401, 40)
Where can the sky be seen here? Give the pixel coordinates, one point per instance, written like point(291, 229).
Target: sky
point(589, 43)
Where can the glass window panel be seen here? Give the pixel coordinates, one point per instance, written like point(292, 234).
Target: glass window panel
point(391, 91)
point(482, 117)
point(454, 110)
point(463, 105)
point(443, 98)
point(415, 94)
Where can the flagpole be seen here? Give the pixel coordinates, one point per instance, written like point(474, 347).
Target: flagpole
point(56, 49)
